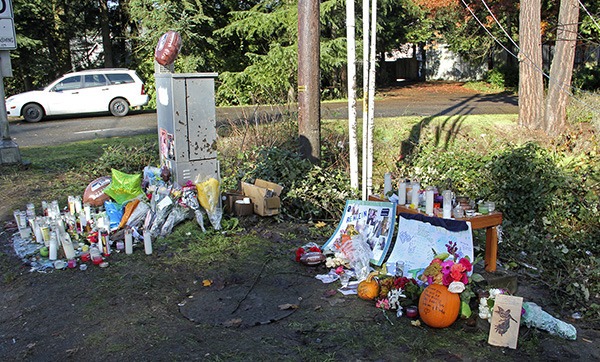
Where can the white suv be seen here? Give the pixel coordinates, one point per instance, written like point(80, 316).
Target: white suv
point(88, 91)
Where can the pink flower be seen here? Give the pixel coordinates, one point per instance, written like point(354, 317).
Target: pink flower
point(339, 270)
point(446, 266)
point(383, 304)
point(466, 263)
point(447, 279)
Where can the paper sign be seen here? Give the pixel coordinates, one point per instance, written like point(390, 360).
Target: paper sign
point(506, 318)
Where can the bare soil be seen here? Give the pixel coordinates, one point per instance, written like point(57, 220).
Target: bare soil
point(265, 306)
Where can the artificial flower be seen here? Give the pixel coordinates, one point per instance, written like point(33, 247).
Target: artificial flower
point(456, 287)
point(383, 304)
point(486, 304)
point(450, 269)
point(466, 263)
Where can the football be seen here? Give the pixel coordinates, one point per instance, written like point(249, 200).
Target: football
point(94, 192)
point(168, 48)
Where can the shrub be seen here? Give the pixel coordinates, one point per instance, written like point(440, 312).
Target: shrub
point(523, 181)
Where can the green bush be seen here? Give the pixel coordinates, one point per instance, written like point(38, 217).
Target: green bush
point(503, 76)
point(320, 194)
point(523, 181)
point(587, 78)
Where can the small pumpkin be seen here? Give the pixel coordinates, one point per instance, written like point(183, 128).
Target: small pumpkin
point(438, 307)
point(368, 289)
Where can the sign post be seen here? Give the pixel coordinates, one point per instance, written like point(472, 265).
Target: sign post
point(9, 150)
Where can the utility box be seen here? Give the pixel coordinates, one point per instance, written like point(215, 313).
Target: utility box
point(187, 134)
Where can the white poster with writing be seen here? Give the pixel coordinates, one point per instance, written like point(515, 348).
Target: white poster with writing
point(419, 240)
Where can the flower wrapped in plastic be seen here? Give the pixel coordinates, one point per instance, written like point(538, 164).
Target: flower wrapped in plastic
point(190, 198)
point(161, 206)
point(208, 196)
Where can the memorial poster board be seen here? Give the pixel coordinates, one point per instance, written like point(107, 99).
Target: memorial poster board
point(373, 219)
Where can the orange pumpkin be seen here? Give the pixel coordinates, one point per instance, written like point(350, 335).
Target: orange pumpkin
point(438, 307)
point(368, 289)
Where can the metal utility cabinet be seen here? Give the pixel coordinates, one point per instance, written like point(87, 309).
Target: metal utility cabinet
point(187, 135)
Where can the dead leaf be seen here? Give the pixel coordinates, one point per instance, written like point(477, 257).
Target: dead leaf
point(320, 224)
point(207, 283)
point(288, 306)
point(235, 322)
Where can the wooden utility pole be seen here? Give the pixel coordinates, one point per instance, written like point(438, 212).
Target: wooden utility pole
point(309, 92)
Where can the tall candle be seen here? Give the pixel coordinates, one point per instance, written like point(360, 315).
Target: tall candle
point(53, 247)
point(387, 184)
point(402, 193)
point(447, 204)
point(147, 242)
point(128, 241)
point(67, 245)
point(429, 201)
point(416, 187)
point(87, 209)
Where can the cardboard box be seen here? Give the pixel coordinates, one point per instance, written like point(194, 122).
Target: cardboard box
point(264, 196)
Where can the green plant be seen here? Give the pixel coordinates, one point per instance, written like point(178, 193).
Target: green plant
point(125, 158)
point(319, 194)
point(522, 181)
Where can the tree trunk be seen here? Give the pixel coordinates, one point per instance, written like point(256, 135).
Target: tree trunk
point(561, 69)
point(59, 46)
point(351, 78)
point(106, 40)
point(365, 108)
point(531, 86)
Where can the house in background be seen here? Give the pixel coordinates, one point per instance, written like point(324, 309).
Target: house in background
point(434, 62)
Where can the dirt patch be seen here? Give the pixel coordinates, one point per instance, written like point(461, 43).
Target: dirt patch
point(262, 306)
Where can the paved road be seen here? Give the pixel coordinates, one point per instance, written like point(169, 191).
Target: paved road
point(62, 130)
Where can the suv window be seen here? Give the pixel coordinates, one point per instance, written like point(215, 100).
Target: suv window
point(119, 78)
point(94, 80)
point(70, 83)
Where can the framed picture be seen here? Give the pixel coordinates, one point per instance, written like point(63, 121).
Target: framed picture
point(373, 219)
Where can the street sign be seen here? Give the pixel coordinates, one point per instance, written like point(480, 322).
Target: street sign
point(6, 10)
point(8, 37)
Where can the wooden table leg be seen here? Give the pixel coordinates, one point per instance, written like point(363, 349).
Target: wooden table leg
point(491, 249)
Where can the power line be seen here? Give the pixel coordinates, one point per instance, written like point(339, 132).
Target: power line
point(590, 15)
point(537, 68)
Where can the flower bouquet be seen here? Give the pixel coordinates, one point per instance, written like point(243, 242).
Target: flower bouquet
point(396, 293)
point(449, 269)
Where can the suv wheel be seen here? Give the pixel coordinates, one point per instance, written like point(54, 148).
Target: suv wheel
point(119, 107)
point(33, 112)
